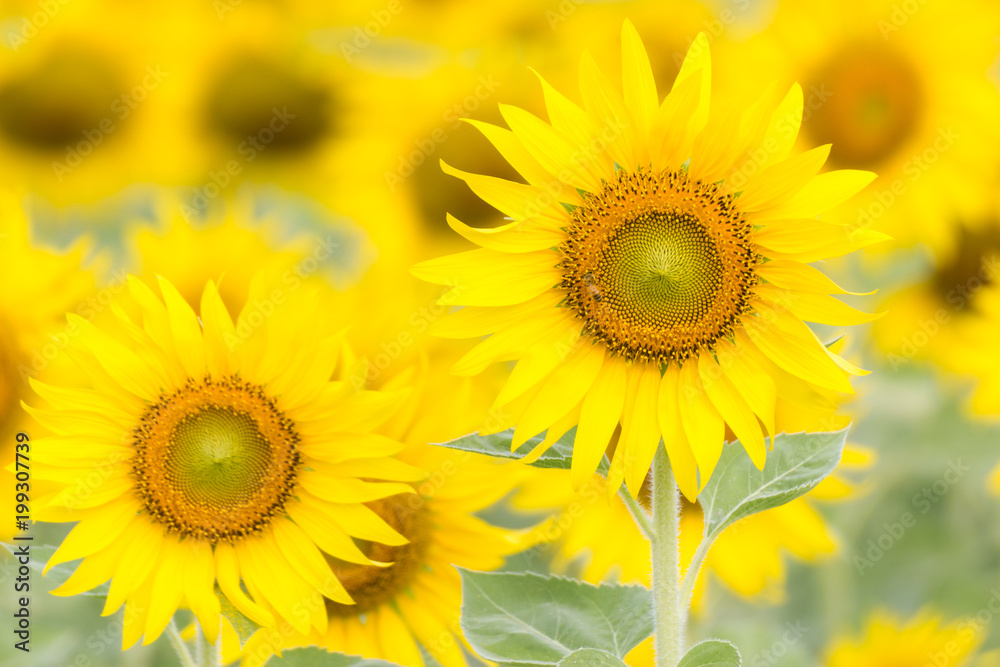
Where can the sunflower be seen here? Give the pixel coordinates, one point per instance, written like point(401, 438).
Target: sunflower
point(37, 287)
point(655, 272)
point(903, 90)
point(415, 601)
point(935, 316)
point(211, 452)
point(248, 240)
point(924, 639)
point(80, 112)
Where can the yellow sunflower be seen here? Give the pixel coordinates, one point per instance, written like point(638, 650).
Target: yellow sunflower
point(923, 640)
point(37, 287)
point(417, 599)
point(246, 241)
point(210, 452)
point(80, 93)
point(901, 89)
point(656, 269)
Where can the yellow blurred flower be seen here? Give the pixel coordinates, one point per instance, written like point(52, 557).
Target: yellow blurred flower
point(923, 640)
point(37, 287)
point(902, 89)
point(79, 117)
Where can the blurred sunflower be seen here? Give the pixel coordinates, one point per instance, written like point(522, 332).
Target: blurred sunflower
point(478, 66)
point(260, 103)
point(230, 456)
point(923, 640)
point(78, 118)
point(902, 90)
point(974, 350)
point(416, 600)
point(37, 287)
point(246, 244)
point(934, 317)
point(651, 249)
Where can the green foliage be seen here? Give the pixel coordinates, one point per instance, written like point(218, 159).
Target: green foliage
point(317, 657)
point(711, 653)
point(529, 619)
point(794, 467)
point(559, 455)
point(590, 657)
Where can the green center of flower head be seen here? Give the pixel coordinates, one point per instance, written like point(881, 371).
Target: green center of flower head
point(219, 457)
point(267, 104)
point(869, 101)
point(53, 104)
point(659, 267)
point(215, 460)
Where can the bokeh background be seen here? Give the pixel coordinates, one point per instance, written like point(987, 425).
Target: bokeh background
point(201, 139)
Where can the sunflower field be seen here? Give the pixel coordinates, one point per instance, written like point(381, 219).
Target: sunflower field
point(537, 333)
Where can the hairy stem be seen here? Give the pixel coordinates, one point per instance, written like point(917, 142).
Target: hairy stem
point(669, 606)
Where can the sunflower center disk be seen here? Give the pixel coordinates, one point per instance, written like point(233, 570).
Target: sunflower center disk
point(63, 96)
point(658, 266)
point(875, 104)
point(372, 586)
point(266, 103)
point(215, 460)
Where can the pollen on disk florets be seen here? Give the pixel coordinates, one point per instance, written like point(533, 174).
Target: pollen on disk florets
point(215, 459)
point(658, 266)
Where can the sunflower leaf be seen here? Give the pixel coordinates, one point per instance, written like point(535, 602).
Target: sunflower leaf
point(712, 653)
point(590, 657)
point(737, 489)
point(243, 626)
point(498, 445)
point(317, 657)
point(530, 619)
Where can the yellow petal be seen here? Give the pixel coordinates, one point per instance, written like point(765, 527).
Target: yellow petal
point(638, 84)
point(528, 235)
point(185, 331)
point(605, 105)
point(734, 410)
point(550, 148)
point(228, 574)
point(822, 193)
point(682, 460)
point(199, 587)
point(640, 426)
point(167, 593)
point(305, 558)
point(703, 425)
point(564, 388)
point(599, 416)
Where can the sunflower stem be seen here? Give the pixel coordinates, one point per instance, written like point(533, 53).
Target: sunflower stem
point(180, 646)
point(669, 606)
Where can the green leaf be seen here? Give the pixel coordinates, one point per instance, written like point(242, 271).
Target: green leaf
point(530, 619)
point(738, 489)
point(244, 626)
point(712, 653)
point(590, 657)
point(317, 657)
point(559, 455)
